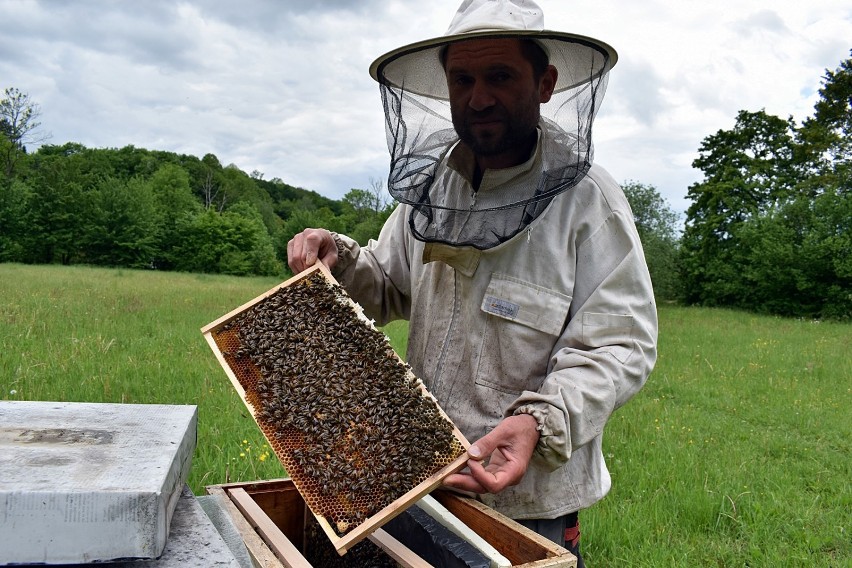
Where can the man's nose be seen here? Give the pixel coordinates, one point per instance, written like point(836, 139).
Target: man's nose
point(480, 96)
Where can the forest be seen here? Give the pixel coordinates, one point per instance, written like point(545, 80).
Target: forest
point(768, 228)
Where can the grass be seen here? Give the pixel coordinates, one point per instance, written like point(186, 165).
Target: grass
point(736, 453)
point(97, 335)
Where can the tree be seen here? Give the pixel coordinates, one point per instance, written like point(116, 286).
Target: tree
point(365, 211)
point(18, 127)
point(748, 171)
point(652, 213)
point(59, 214)
point(656, 224)
point(769, 227)
point(173, 202)
point(122, 227)
point(233, 242)
point(360, 201)
point(797, 260)
point(211, 183)
point(58, 207)
point(828, 134)
point(15, 197)
point(258, 254)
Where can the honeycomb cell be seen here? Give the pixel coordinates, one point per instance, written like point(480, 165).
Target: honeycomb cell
point(352, 425)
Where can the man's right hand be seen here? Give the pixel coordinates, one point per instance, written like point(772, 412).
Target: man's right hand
point(311, 245)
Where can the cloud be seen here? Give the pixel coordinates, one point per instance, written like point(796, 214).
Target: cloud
point(282, 86)
point(646, 102)
point(761, 22)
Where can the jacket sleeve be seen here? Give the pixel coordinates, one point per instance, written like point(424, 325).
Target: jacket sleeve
point(607, 348)
point(378, 276)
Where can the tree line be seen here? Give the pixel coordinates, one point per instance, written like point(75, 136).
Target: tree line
point(767, 230)
point(137, 208)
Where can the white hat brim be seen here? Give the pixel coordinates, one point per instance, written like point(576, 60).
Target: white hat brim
point(417, 67)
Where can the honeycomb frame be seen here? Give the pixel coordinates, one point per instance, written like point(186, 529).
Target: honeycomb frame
point(338, 456)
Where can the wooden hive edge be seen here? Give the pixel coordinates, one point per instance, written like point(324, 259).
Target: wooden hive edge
point(270, 548)
point(276, 540)
point(260, 553)
point(501, 531)
point(485, 521)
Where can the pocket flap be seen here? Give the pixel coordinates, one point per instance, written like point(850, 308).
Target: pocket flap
point(525, 303)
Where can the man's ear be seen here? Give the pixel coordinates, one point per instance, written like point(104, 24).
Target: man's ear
point(547, 83)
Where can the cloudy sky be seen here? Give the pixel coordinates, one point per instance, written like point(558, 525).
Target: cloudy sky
point(281, 86)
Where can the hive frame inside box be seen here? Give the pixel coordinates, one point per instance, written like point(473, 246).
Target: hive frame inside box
point(270, 515)
point(371, 524)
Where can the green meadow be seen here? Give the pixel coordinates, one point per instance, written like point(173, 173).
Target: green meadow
point(738, 452)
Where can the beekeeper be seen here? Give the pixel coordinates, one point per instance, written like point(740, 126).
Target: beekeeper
point(515, 258)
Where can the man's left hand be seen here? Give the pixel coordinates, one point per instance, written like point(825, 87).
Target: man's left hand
point(500, 458)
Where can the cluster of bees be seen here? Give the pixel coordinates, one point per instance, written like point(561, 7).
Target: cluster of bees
point(346, 417)
point(319, 552)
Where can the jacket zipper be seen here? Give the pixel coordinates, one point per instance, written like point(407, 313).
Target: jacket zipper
point(439, 368)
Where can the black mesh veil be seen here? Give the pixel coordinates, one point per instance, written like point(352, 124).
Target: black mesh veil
point(420, 136)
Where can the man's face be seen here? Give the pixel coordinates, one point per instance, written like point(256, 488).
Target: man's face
point(494, 99)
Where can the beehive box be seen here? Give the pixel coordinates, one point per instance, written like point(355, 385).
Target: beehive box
point(359, 435)
point(88, 482)
point(194, 542)
point(270, 515)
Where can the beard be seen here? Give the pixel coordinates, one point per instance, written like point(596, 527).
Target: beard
point(509, 132)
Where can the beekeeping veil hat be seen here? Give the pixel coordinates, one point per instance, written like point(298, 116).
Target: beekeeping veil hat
point(420, 132)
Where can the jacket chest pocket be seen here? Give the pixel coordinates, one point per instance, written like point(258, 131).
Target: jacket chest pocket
point(522, 324)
